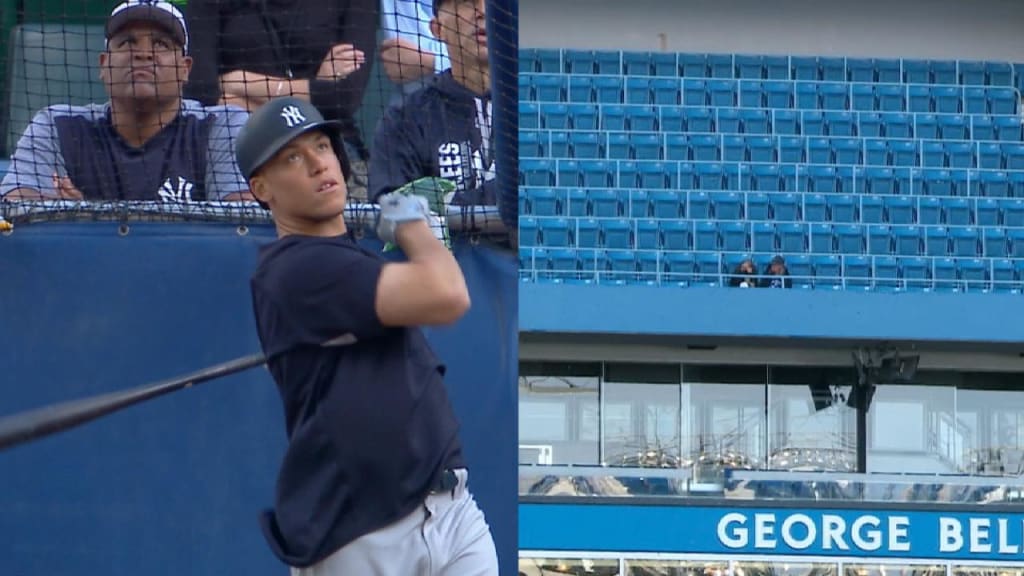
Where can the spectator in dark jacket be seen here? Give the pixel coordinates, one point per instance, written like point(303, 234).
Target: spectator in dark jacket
point(745, 275)
point(776, 275)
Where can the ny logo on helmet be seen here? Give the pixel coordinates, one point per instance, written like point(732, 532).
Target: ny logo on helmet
point(292, 115)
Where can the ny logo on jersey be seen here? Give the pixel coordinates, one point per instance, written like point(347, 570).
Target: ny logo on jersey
point(292, 115)
point(180, 193)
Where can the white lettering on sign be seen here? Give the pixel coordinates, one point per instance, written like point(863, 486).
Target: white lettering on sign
point(899, 527)
point(792, 540)
point(951, 537)
point(866, 540)
point(1004, 546)
point(736, 538)
point(764, 528)
point(979, 535)
point(832, 533)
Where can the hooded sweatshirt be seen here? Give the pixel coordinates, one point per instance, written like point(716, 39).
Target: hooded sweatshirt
point(442, 130)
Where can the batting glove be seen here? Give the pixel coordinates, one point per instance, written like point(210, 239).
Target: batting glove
point(397, 208)
point(437, 191)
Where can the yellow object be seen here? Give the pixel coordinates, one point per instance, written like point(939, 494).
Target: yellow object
point(5, 226)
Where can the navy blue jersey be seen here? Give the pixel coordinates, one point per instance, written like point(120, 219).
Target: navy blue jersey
point(442, 130)
point(190, 159)
point(369, 423)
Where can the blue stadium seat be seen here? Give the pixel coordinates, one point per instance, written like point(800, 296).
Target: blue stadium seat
point(669, 204)
point(693, 65)
point(734, 236)
point(641, 118)
point(983, 127)
point(762, 237)
point(616, 233)
point(727, 121)
point(821, 239)
point(579, 62)
point(588, 260)
point(656, 175)
point(869, 125)
point(827, 271)
point(966, 242)
point(975, 101)
point(805, 68)
point(699, 120)
point(916, 72)
point(834, 96)
point(929, 211)
point(857, 272)
point(819, 151)
point(646, 146)
point(792, 149)
point(588, 233)
point(908, 181)
point(628, 174)
point(880, 240)
point(1016, 238)
point(900, 209)
point(862, 98)
point(636, 64)
point(919, 99)
point(833, 69)
point(907, 240)
point(536, 173)
point(850, 239)
point(885, 271)
point(792, 237)
point(754, 122)
point(840, 123)
point(776, 67)
point(891, 98)
point(648, 265)
point(946, 99)
point(588, 145)
point(1004, 278)
point(1013, 156)
point(531, 144)
point(619, 265)
point(695, 92)
point(528, 231)
point(710, 177)
point(1002, 100)
point(778, 95)
point(687, 175)
point(990, 156)
point(812, 123)
point(554, 116)
point(822, 179)
point(737, 177)
point(757, 206)
point(606, 203)
point(847, 151)
point(842, 208)
point(549, 61)
point(1012, 213)
point(806, 96)
point(953, 127)
point(916, 273)
point(723, 93)
point(734, 148)
point(607, 62)
point(677, 147)
point(957, 211)
point(727, 205)
point(898, 125)
point(579, 117)
point(888, 70)
point(801, 272)
point(664, 64)
point(937, 182)
point(1017, 184)
point(959, 154)
point(618, 147)
point(563, 262)
point(670, 119)
point(637, 203)
point(721, 65)
point(933, 155)
point(665, 91)
point(708, 270)
point(598, 174)
point(872, 209)
point(926, 126)
point(577, 204)
point(785, 207)
point(613, 118)
point(792, 177)
point(648, 236)
point(580, 89)
point(987, 212)
point(999, 73)
point(936, 241)
point(752, 94)
point(760, 148)
point(550, 88)
point(675, 235)
point(879, 180)
point(903, 152)
point(766, 177)
point(815, 208)
point(860, 70)
point(995, 244)
point(785, 122)
point(555, 232)
point(638, 91)
point(529, 116)
point(749, 66)
point(608, 89)
point(944, 273)
point(876, 153)
point(545, 201)
point(943, 71)
point(1008, 128)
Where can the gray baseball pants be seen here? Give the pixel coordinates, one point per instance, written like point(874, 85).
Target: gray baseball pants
point(446, 536)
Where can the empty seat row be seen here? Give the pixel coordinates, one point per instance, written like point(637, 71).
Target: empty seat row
point(699, 119)
point(773, 94)
point(806, 271)
point(846, 151)
point(781, 206)
point(751, 66)
point(823, 179)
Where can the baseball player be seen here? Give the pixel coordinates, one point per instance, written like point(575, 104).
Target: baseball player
point(373, 481)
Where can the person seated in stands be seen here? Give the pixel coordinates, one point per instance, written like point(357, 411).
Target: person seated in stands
point(745, 275)
point(776, 275)
point(247, 52)
point(444, 129)
point(146, 142)
point(409, 53)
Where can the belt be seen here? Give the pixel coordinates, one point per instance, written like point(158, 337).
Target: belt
point(447, 481)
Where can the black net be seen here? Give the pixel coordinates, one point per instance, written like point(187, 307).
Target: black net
point(132, 111)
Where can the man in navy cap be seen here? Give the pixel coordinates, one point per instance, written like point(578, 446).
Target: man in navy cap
point(374, 481)
point(146, 143)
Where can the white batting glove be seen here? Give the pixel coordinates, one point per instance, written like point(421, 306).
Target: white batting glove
point(397, 208)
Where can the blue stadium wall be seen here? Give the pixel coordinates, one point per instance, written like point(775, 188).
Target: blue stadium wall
point(175, 485)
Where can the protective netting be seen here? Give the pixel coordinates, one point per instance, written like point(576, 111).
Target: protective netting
point(131, 111)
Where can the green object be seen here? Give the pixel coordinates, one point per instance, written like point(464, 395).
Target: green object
point(435, 190)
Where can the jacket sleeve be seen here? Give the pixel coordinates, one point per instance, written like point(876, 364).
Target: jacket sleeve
point(203, 19)
point(342, 98)
point(396, 156)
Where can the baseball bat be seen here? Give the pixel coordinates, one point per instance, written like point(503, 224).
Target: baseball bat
point(34, 424)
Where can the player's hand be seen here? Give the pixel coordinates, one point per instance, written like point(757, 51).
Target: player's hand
point(65, 189)
point(397, 208)
point(438, 192)
point(340, 61)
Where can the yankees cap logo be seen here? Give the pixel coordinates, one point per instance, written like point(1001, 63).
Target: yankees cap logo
point(292, 116)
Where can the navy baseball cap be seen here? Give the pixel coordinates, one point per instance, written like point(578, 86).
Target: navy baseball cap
point(159, 12)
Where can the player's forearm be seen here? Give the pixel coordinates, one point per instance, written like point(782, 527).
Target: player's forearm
point(442, 272)
point(260, 87)
point(404, 63)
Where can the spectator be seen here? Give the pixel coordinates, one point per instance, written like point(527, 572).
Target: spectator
point(146, 143)
point(444, 130)
point(776, 275)
point(410, 54)
point(745, 275)
point(249, 51)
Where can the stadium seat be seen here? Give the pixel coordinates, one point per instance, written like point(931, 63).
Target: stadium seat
point(722, 93)
point(648, 266)
point(929, 211)
point(645, 146)
point(847, 151)
point(749, 66)
point(936, 241)
point(545, 201)
point(888, 70)
point(618, 147)
point(675, 235)
point(606, 203)
point(528, 231)
point(638, 91)
point(760, 148)
point(1015, 236)
point(636, 64)
point(579, 62)
point(767, 177)
point(563, 262)
point(891, 98)
point(857, 272)
point(946, 99)
point(734, 148)
point(529, 117)
point(581, 116)
point(879, 240)
point(801, 272)
point(899, 209)
point(792, 149)
point(965, 242)
point(727, 121)
point(792, 177)
point(840, 123)
point(706, 236)
point(1004, 277)
point(757, 206)
point(792, 237)
point(812, 123)
point(733, 236)
point(588, 261)
point(727, 205)
point(657, 175)
point(1013, 156)
point(898, 125)
point(588, 233)
point(695, 92)
point(763, 237)
point(1013, 213)
point(815, 208)
point(885, 272)
point(842, 208)
point(983, 127)
point(902, 152)
point(916, 273)
point(907, 240)
point(1017, 184)
point(850, 239)
point(586, 145)
point(987, 212)
point(994, 243)
point(637, 203)
point(806, 96)
point(648, 236)
point(953, 127)
point(699, 120)
point(869, 125)
point(555, 232)
point(926, 126)
point(778, 95)
point(669, 204)
point(705, 148)
point(598, 174)
point(576, 202)
point(862, 98)
point(641, 118)
point(975, 101)
point(754, 122)
point(822, 179)
point(805, 68)
point(678, 268)
point(1008, 128)
point(549, 88)
point(677, 147)
point(721, 65)
point(834, 96)
point(860, 70)
point(693, 65)
point(613, 118)
point(554, 115)
point(943, 71)
point(608, 90)
point(990, 156)
point(536, 173)
point(959, 154)
point(880, 180)
point(956, 211)
point(687, 175)
point(752, 94)
point(580, 89)
point(820, 238)
point(1002, 100)
point(827, 272)
point(615, 233)
point(530, 145)
point(664, 64)
point(710, 177)
point(819, 151)
point(785, 122)
point(872, 209)
point(619, 265)
point(670, 119)
point(944, 274)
